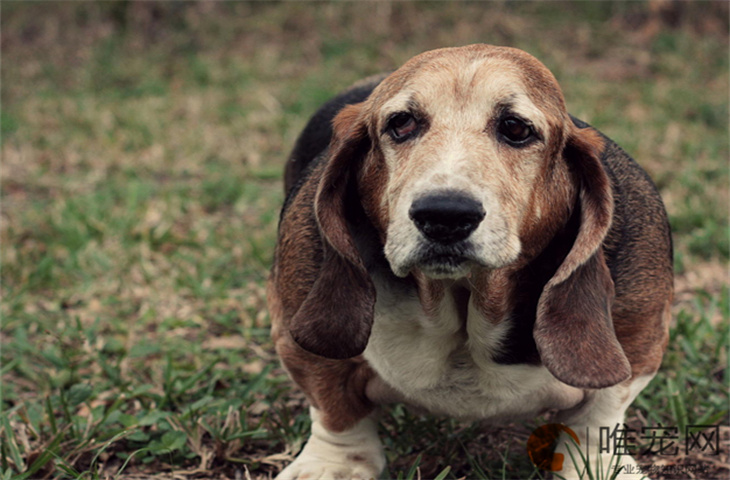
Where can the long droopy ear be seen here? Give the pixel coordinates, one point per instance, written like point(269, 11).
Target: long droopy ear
point(335, 319)
point(574, 331)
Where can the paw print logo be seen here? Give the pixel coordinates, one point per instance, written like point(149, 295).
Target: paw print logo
point(542, 443)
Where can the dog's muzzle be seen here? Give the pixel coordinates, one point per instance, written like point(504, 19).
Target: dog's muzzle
point(446, 220)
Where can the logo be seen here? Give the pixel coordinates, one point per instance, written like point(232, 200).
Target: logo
point(542, 443)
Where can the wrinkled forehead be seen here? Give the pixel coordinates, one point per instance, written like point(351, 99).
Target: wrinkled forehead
point(488, 77)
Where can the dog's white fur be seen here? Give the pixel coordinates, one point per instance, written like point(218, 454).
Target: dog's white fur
point(434, 364)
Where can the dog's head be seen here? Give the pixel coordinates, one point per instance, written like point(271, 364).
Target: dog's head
point(466, 159)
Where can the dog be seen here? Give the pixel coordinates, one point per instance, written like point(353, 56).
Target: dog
point(453, 239)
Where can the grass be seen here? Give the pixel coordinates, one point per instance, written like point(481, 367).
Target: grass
point(142, 145)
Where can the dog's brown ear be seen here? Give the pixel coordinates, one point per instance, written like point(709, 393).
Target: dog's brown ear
point(335, 319)
point(574, 331)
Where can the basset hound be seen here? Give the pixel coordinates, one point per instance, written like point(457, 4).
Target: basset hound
point(453, 239)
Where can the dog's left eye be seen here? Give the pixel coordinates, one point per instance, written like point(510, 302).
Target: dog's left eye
point(515, 131)
point(402, 126)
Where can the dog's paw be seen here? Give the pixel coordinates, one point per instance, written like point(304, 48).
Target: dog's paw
point(321, 460)
point(354, 454)
point(308, 468)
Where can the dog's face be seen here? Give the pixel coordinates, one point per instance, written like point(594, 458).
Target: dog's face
point(464, 146)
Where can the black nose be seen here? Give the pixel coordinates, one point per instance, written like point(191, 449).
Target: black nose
point(446, 217)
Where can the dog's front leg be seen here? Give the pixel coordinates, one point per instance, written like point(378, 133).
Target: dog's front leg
point(344, 441)
point(355, 453)
point(606, 444)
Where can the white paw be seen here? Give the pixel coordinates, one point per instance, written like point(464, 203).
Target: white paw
point(355, 454)
point(308, 468)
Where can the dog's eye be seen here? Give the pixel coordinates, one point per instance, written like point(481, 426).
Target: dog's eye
point(402, 126)
point(515, 131)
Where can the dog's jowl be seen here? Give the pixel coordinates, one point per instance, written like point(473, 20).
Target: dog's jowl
point(453, 239)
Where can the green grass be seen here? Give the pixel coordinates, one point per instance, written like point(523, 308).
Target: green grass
point(142, 147)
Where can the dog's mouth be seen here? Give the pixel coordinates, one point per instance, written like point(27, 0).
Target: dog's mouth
point(446, 267)
point(440, 261)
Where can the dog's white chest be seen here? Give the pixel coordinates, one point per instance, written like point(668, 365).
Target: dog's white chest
point(447, 367)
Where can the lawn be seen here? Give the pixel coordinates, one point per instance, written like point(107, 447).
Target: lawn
point(142, 151)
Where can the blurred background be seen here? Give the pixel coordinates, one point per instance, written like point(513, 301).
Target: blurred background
point(142, 151)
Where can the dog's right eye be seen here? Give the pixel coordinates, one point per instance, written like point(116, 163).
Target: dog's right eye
point(515, 131)
point(402, 126)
